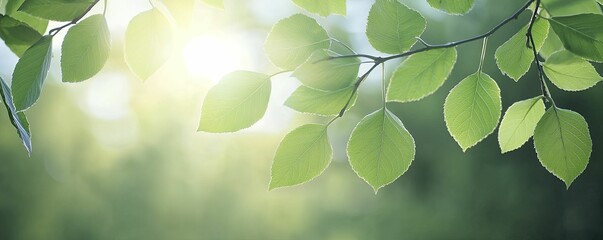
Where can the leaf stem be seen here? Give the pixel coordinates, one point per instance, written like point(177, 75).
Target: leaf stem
point(483, 55)
point(546, 93)
point(56, 30)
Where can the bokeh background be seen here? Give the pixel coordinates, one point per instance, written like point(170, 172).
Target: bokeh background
point(116, 158)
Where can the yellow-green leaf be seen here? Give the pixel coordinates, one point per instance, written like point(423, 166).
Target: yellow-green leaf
point(326, 103)
point(421, 74)
point(472, 109)
point(147, 49)
point(519, 122)
point(563, 143)
point(514, 58)
point(380, 149)
point(238, 101)
point(328, 75)
point(456, 7)
point(301, 156)
point(392, 27)
point(323, 7)
point(292, 40)
point(569, 72)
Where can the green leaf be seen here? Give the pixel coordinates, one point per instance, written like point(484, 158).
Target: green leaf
point(18, 119)
point(573, 7)
point(551, 45)
point(514, 58)
point(237, 102)
point(147, 49)
point(85, 49)
point(581, 34)
point(325, 103)
point(472, 109)
point(302, 155)
point(17, 35)
point(421, 74)
point(322, 7)
point(519, 122)
point(214, 3)
point(392, 27)
point(57, 10)
point(38, 24)
point(30, 73)
point(569, 72)
point(292, 40)
point(327, 75)
point(380, 149)
point(563, 143)
point(456, 7)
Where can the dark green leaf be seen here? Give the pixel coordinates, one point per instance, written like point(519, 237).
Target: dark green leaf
point(573, 7)
point(30, 73)
point(18, 119)
point(17, 35)
point(56, 10)
point(147, 49)
point(85, 49)
point(581, 34)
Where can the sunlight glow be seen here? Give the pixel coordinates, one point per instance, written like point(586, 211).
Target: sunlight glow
point(213, 56)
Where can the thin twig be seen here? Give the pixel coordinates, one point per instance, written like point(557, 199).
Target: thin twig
point(54, 31)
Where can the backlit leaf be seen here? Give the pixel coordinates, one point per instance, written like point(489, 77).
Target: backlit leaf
point(457, 7)
point(309, 100)
point(214, 3)
point(569, 72)
point(514, 58)
point(472, 109)
point(301, 156)
point(563, 143)
point(292, 40)
point(421, 74)
point(327, 75)
point(30, 73)
point(380, 149)
point(238, 101)
point(85, 49)
point(147, 49)
point(519, 122)
point(323, 7)
point(392, 27)
point(581, 34)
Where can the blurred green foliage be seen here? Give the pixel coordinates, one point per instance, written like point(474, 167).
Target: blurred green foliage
point(146, 174)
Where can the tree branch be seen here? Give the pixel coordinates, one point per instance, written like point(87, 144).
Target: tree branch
point(56, 30)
